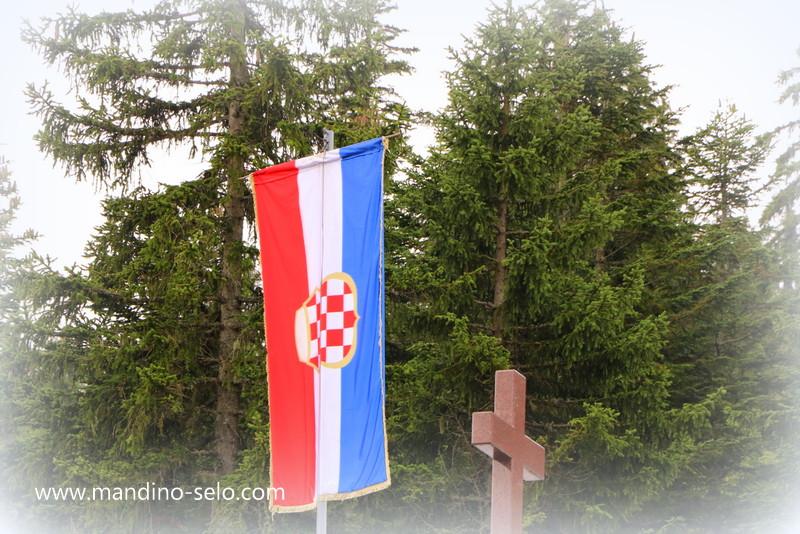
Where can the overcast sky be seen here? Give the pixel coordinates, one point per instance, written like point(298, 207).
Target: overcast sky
point(711, 51)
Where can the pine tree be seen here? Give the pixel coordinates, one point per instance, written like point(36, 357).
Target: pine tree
point(729, 327)
point(18, 397)
point(721, 161)
point(545, 206)
point(781, 212)
point(162, 334)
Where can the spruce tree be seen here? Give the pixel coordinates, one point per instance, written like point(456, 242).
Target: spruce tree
point(23, 438)
point(730, 327)
point(545, 215)
point(722, 160)
point(781, 214)
point(161, 334)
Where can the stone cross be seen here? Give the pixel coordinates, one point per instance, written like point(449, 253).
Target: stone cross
point(515, 456)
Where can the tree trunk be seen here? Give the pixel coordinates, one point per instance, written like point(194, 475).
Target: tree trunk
point(501, 250)
point(227, 442)
point(501, 237)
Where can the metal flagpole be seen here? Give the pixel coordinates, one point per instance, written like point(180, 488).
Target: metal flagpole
point(322, 517)
point(322, 506)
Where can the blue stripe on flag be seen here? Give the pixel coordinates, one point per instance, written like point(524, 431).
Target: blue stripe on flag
point(363, 445)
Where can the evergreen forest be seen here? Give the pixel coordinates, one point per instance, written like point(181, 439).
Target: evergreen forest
point(559, 226)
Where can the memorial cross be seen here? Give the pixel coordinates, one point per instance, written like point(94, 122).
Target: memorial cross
point(515, 456)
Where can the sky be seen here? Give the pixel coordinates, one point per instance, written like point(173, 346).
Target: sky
point(712, 52)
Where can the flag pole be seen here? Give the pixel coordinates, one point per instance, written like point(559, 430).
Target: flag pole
point(322, 506)
point(322, 517)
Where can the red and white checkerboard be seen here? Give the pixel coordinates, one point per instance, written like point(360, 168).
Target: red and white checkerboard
point(331, 313)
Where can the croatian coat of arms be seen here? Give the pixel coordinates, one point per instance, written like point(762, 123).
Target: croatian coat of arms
point(325, 325)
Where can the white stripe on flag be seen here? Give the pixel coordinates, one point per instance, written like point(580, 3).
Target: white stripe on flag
point(320, 188)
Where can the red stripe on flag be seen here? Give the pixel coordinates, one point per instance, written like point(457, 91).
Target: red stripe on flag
point(291, 382)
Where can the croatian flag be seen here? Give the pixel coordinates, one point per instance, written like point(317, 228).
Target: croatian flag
point(320, 227)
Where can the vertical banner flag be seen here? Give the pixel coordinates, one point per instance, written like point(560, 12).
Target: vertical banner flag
point(320, 228)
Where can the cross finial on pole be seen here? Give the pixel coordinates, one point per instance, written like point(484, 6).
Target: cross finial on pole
point(515, 457)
